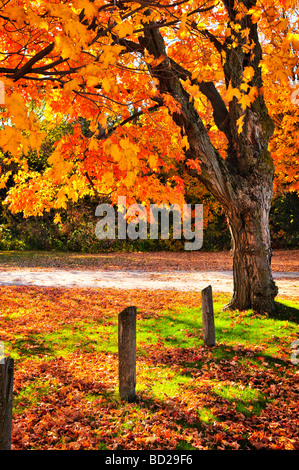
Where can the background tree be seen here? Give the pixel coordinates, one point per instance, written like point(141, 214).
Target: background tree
point(166, 64)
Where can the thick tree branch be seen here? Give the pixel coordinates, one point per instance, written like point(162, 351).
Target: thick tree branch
point(28, 66)
point(104, 133)
point(220, 111)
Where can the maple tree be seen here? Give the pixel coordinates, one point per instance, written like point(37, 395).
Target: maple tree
point(161, 85)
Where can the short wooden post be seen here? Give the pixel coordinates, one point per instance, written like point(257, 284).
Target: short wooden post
point(6, 392)
point(208, 316)
point(127, 353)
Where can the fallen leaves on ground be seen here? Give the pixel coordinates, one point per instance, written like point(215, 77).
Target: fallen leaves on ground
point(282, 261)
point(67, 398)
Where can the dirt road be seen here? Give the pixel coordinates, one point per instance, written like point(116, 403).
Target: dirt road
point(183, 271)
point(221, 281)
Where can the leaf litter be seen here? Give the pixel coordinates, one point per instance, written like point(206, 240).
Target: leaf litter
point(233, 396)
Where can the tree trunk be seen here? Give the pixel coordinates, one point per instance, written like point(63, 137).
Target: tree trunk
point(243, 181)
point(249, 225)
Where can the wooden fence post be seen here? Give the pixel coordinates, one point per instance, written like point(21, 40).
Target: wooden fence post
point(6, 392)
point(127, 353)
point(208, 316)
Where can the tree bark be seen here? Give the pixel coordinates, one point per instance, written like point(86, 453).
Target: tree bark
point(253, 282)
point(252, 170)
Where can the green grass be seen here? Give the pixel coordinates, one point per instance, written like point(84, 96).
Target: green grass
point(31, 394)
point(247, 400)
point(183, 328)
point(88, 337)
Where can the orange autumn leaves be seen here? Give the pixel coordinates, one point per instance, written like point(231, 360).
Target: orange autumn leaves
point(71, 61)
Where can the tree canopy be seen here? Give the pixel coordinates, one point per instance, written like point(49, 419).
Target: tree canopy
point(102, 61)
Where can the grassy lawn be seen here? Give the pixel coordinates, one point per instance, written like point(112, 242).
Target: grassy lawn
point(240, 394)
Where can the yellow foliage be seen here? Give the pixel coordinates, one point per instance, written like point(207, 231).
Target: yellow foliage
point(232, 92)
point(124, 29)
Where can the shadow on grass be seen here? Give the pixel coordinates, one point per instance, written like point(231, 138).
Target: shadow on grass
point(32, 345)
point(286, 312)
point(225, 353)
